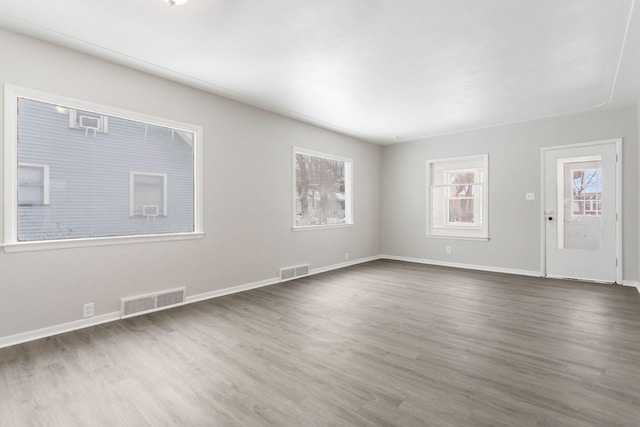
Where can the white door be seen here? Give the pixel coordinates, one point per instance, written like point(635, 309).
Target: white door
point(580, 208)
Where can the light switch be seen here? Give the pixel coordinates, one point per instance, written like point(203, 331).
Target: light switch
point(530, 196)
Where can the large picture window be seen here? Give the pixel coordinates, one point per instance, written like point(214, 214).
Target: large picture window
point(322, 189)
point(457, 202)
point(78, 173)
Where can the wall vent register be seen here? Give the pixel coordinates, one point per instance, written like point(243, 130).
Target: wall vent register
point(133, 306)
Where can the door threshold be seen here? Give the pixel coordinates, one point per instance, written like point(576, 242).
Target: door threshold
point(581, 279)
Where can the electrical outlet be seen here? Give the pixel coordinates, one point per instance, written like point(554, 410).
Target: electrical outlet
point(448, 249)
point(87, 310)
point(346, 256)
point(530, 196)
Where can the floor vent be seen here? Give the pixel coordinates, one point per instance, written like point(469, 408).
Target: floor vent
point(288, 273)
point(141, 304)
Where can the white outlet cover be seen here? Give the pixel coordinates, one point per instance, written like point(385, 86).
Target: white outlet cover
point(530, 196)
point(88, 310)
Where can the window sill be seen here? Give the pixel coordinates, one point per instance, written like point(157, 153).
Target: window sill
point(44, 245)
point(477, 239)
point(320, 227)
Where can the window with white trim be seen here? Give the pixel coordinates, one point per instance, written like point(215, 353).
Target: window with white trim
point(100, 183)
point(322, 189)
point(33, 184)
point(457, 202)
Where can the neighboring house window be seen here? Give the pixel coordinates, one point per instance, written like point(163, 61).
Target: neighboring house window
point(586, 197)
point(457, 206)
point(322, 189)
point(148, 194)
point(33, 184)
point(113, 174)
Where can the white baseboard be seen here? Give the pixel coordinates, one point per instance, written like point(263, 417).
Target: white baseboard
point(343, 264)
point(110, 317)
point(58, 329)
point(632, 284)
point(466, 266)
point(273, 281)
point(232, 290)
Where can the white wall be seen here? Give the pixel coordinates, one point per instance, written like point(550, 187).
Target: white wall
point(514, 169)
point(247, 161)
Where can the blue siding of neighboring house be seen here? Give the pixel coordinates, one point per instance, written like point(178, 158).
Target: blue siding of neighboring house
point(89, 176)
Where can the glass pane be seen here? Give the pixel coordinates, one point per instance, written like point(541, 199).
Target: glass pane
point(320, 190)
point(579, 201)
point(466, 177)
point(90, 157)
point(461, 210)
point(460, 191)
point(587, 191)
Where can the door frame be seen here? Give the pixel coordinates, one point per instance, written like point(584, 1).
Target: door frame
point(618, 201)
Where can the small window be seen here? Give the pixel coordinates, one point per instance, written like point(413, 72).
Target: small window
point(322, 189)
point(148, 192)
point(458, 197)
point(33, 184)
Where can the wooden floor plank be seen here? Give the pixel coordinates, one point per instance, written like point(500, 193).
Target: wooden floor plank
point(381, 343)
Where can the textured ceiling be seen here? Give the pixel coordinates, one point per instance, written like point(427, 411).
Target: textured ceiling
point(385, 71)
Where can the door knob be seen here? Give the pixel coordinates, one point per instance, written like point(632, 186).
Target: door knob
point(549, 215)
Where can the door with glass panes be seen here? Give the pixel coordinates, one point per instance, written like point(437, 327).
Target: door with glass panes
point(581, 211)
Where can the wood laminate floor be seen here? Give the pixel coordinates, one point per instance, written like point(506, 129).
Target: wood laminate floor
point(381, 343)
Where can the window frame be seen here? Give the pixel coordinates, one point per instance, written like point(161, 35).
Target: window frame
point(348, 190)
point(10, 208)
point(46, 186)
point(463, 231)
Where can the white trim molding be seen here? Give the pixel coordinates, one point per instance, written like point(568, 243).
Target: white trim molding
point(110, 317)
point(488, 268)
point(231, 290)
point(343, 264)
point(632, 284)
point(57, 329)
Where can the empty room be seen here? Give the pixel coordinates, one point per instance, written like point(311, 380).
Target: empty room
point(320, 213)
